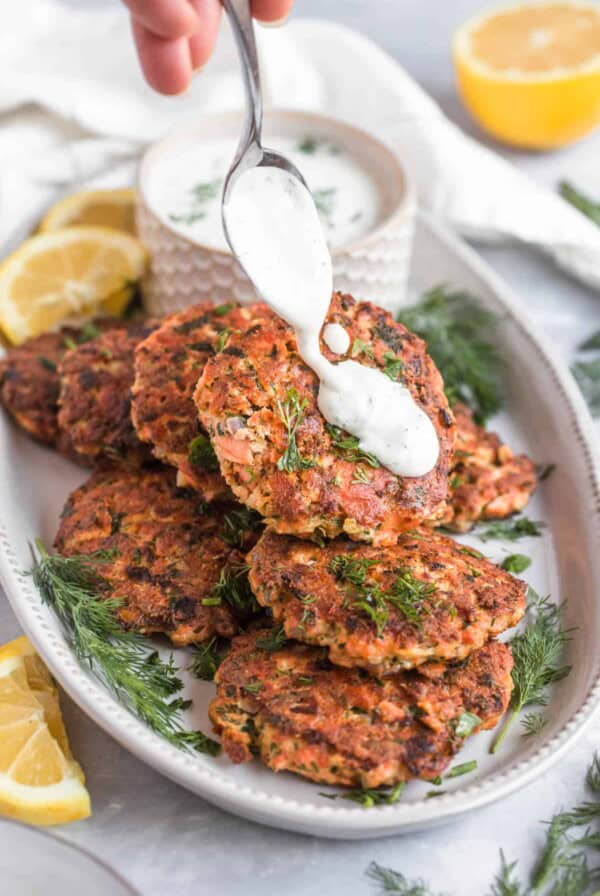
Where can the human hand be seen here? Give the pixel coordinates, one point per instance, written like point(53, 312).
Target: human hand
point(174, 38)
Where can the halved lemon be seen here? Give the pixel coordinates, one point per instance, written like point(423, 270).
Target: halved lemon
point(93, 208)
point(530, 73)
point(40, 782)
point(67, 274)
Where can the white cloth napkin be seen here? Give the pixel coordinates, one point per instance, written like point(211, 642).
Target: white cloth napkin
point(74, 112)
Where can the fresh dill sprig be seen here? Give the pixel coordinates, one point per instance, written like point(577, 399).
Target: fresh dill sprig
point(516, 563)
point(591, 344)
point(390, 881)
point(291, 412)
point(460, 338)
point(273, 640)
point(137, 676)
point(201, 454)
point(369, 797)
point(536, 652)
point(592, 779)
point(533, 724)
point(407, 594)
point(348, 447)
point(206, 660)
point(238, 523)
point(587, 374)
point(584, 204)
point(512, 529)
point(233, 587)
point(506, 883)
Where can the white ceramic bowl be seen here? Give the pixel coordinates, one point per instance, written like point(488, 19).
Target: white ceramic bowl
point(373, 267)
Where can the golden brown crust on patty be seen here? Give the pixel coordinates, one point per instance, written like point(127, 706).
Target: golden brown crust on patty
point(95, 397)
point(487, 480)
point(385, 608)
point(170, 550)
point(240, 398)
point(167, 367)
point(341, 726)
point(30, 384)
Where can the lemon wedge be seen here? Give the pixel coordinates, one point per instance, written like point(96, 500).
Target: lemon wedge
point(67, 274)
point(530, 73)
point(40, 782)
point(93, 208)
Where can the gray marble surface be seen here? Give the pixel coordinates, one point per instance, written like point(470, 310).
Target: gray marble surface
point(170, 843)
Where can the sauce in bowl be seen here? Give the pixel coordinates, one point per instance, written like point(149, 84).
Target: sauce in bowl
point(186, 193)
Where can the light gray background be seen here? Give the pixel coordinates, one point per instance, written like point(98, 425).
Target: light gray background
point(170, 843)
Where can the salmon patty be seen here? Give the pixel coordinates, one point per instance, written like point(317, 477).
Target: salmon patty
point(487, 480)
point(177, 564)
point(95, 397)
point(30, 383)
point(168, 366)
point(258, 402)
point(299, 713)
point(385, 608)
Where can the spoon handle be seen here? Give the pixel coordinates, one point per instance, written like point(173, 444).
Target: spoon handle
point(243, 30)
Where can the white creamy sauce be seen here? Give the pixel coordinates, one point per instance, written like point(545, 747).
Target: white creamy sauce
point(186, 190)
point(336, 338)
point(277, 236)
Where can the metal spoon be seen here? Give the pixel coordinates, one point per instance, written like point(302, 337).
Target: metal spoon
point(250, 152)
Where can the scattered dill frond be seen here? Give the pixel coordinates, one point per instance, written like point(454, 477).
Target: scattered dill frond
point(47, 364)
point(200, 194)
point(407, 594)
point(223, 339)
point(225, 308)
point(592, 779)
point(309, 145)
point(592, 343)
point(348, 447)
point(88, 332)
point(202, 454)
point(516, 563)
point(369, 797)
point(390, 881)
point(536, 652)
point(206, 190)
point(360, 347)
point(506, 883)
point(587, 374)
point(582, 203)
point(291, 412)
point(325, 200)
point(512, 529)
point(275, 639)
point(233, 587)
point(459, 334)
point(206, 660)
point(533, 724)
point(544, 471)
point(121, 659)
point(361, 477)
point(238, 523)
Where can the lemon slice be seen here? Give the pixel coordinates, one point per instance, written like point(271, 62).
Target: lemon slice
point(93, 208)
point(40, 782)
point(530, 73)
point(67, 274)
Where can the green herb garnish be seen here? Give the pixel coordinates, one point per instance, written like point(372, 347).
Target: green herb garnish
point(238, 523)
point(544, 471)
point(142, 682)
point(393, 366)
point(460, 338)
point(466, 724)
point(360, 347)
point(512, 529)
point(47, 364)
point(206, 660)
point(457, 770)
point(583, 203)
point(202, 454)
point(533, 724)
point(222, 339)
point(309, 145)
point(274, 640)
point(516, 563)
point(88, 332)
point(536, 653)
point(390, 881)
point(370, 797)
point(324, 200)
point(201, 193)
point(291, 412)
point(407, 594)
point(348, 447)
point(234, 589)
point(225, 308)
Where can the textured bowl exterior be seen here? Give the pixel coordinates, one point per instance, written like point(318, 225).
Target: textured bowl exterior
point(374, 267)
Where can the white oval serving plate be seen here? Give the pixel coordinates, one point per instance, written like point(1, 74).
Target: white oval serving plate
point(545, 415)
